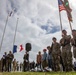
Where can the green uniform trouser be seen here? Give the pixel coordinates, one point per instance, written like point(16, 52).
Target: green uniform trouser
point(67, 57)
point(56, 61)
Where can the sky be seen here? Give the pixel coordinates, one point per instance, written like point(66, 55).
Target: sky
point(38, 23)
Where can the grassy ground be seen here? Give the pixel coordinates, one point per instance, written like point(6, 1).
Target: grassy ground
point(38, 73)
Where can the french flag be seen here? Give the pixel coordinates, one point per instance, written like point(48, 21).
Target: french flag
point(17, 49)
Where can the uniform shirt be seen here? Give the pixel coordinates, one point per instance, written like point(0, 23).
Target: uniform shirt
point(56, 46)
point(65, 40)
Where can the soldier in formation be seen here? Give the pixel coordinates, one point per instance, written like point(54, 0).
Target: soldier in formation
point(56, 54)
point(66, 51)
point(10, 59)
point(73, 42)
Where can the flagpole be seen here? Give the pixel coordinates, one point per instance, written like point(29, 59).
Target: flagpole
point(60, 19)
point(70, 26)
point(15, 31)
point(4, 32)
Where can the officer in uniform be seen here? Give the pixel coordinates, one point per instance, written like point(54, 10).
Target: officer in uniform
point(26, 61)
point(73, 42)
point(66, 51)
point(55, 54)
point(9, 61)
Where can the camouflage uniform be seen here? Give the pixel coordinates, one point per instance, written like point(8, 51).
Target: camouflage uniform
point(66, 52)
point(14, 65)
point(73, 42)
point(9, 60)
point(56, 56)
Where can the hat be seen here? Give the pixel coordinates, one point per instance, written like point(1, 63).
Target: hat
point(44, 50)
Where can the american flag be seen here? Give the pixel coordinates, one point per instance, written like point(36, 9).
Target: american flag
point(61, 6)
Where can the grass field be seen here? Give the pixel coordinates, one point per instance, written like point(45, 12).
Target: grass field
point(38, 73)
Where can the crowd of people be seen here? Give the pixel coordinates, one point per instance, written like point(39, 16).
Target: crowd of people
point(8, 63)
point(59, 57)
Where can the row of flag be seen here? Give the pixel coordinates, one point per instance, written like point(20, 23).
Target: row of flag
point(17, 48)
point(64, 5)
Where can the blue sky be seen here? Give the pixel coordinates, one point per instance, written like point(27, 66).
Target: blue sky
point(38, 23)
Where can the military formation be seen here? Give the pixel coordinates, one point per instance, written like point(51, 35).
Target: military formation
point(58, 58)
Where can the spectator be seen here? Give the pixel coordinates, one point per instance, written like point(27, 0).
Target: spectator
point(49, 57)
point(44, 59)
point(39, 59)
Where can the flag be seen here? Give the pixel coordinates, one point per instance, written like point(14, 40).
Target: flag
point(14, 48)
point(68, 10)
point(21, 48)
point(61, 6)
point(66, 3)
point(17, 49)
point(69, 16)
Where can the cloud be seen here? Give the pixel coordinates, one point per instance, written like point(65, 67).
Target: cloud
point(38, 23)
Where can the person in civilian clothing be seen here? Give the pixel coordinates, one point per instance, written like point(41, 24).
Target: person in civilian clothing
point(49, 57)
point(39, 59)
point(44, 59)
